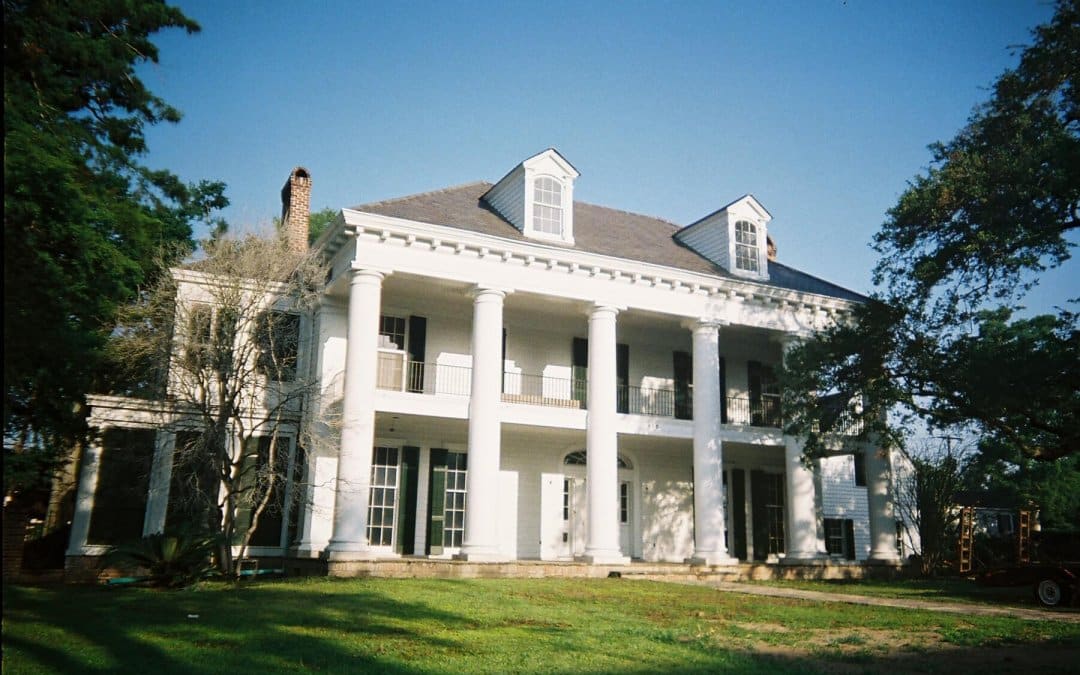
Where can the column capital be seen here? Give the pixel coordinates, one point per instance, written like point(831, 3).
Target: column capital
point(358, 272)
point(478, 291)
point(704, 323)
point(600, 308)
point(791, 339)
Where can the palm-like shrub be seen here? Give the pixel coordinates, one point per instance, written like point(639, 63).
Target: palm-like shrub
point(171, 559)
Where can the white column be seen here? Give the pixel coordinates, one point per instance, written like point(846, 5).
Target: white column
point(84, 498)
point(709, 518)
point(485, 429)
point(349, 541)
point(317, 508)
point(880, 503)
point(602, 442)
point(801, 512)
point(157, 501)
point(805, 542)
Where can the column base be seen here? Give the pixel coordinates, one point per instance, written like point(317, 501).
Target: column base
point(307, 551)
point(892, 560)
point(347, 552)
point(805, 558)
point(712, 560)
point(604, 558)
point(481, 554)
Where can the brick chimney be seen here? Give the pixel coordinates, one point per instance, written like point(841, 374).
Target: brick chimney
point(296, 209)
point(771, 248)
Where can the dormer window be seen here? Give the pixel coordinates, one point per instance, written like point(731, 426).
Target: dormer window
point(537, 197)
point(547, 206)
point(746, 247)
point(733, 238)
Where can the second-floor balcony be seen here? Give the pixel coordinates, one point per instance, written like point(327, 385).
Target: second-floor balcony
point(398, 373)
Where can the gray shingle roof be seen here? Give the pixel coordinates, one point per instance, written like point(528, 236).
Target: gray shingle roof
point(597, 229)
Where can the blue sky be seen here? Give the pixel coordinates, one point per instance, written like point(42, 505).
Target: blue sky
point(822, 110)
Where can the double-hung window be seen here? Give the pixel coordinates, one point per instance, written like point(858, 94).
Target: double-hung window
point(746, 247)
point(547, 206)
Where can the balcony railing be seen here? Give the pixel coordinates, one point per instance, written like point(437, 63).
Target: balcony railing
point(397, 373)
point(556, 392)
point(762, 412)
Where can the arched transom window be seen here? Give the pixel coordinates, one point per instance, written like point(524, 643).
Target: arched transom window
point(547, 206)
point(746, 246)
point(579, 458)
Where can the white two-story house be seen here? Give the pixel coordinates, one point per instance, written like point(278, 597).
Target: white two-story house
point(520, 375)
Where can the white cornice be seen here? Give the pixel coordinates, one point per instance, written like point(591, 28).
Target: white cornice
point(456, 240)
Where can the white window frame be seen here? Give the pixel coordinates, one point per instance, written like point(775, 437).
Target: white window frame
point(384, 485)
point(548, 207)
point(747, 247)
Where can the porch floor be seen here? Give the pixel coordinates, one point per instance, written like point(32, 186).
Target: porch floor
point(457, 569)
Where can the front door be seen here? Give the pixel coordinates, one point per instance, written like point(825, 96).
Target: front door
point(446, 502)
point(625, 518)
point(767, 512)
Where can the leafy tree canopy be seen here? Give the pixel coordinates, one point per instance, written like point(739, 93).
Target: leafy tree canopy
point(968, 238)
point(82, 216)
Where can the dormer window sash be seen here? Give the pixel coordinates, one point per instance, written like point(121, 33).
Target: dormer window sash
point(747, 247)
point(547, 206)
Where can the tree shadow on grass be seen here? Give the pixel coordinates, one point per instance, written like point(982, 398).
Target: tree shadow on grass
point(213, 630)
point(413, 626)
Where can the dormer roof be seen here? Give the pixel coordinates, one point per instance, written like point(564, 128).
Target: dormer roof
point(550, 153)
point(748, 199)
point(537, 197)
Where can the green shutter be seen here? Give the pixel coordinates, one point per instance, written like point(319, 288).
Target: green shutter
point(738, 511)
point(406, 506)
point(436, 501)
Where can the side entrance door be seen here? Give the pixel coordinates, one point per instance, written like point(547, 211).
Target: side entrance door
point(446, 502)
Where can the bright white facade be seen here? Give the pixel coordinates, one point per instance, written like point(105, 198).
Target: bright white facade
point(521, 376)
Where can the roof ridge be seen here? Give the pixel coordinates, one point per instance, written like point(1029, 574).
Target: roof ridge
point(427, 193)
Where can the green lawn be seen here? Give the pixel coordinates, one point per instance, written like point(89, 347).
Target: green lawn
point(529, 626)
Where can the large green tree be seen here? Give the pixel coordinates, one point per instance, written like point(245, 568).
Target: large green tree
point(941, 339)
point(83, 217)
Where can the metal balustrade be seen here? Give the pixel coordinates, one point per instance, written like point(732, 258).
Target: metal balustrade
point(397, 373)
point(555, 392)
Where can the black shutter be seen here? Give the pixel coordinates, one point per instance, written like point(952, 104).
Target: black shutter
point(753, 377)
point(580, 369)
point(759, 485)
point(737, 490)
point(123, 485)
point(406, 511)
point(622, 378)
point(684, 373)
point(723, 391)
point(417, 347)
point(849, 539)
